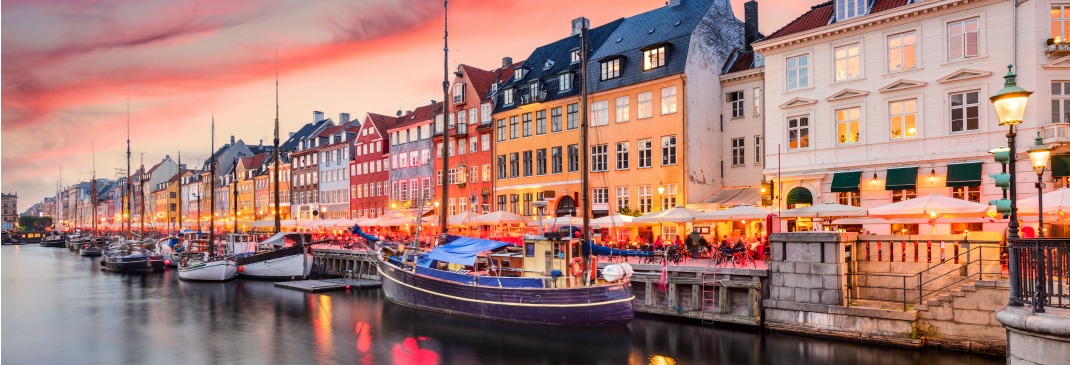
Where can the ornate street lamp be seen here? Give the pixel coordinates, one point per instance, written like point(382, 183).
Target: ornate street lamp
point(1039, 154)
point(1010, 103)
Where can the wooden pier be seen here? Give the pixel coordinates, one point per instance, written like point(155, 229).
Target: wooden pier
point(357, 264)
point(325, 285)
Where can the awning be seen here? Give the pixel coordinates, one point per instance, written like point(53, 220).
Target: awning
point(460, 250)
point(800, 195)
point(1060, 166)
point(735, 197)
point(846, 181)
point(964, 174)
point(902, 178)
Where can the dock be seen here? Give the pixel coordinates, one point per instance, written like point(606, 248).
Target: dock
point(326, 285)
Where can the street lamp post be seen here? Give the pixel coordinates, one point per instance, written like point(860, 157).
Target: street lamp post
point(1039, 155)
point(1010, 104)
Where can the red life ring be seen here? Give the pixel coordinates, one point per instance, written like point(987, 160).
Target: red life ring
point(577, 267)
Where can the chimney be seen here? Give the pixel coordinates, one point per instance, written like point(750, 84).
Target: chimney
point(674, 2)
point(343, 118)
point(578, 24)
point(399, 112)
point(507, 61)
point(750, 23)
point(291, 134)
point(232, 139)
point(317, 116)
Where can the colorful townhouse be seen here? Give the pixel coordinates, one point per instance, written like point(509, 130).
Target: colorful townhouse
point(536, 127)
point(470, 176)
point(334, 168)
point(304, 161)
point(411, 169)
point(369, 173)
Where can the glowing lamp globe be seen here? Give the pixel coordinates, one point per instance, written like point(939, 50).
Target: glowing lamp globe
point(1010, 101)
point(1039, 154)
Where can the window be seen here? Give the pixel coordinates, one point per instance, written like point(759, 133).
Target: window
point(668, 199)
point(646, 200)
point(514, 202)
point(965, 112)
point(852, 198)
point(903, 118)
point(599, 158)
point(1060, 22)
point(501, 130)
point(574, 56)
point(485, 140)
point(622, 109)
point(514, 164)
point(847, 9)
point(514, 127)
point(427, 188)
point(798, 70)
point(653, 58)
point(758, 150)
point(451, 150)
point(501, 166)
point(971, 193)
point(501, 203)
point(485, 113)
point(526, 126)
point(473, 116)
point(610, 69)
point(645, 153)
point(962, 38)
point(904, 194)
point(600, 195)
point(901, 52)
point(599, 113)
point(668, 150)
point(527, 163)
point(573, 157)
point(847, 66)
point(646, 104)
point(486, 171)
point(473, 144)
point(555, 119)
point(798, 132)
point(519, 73)
point(564, 82)
point(507, 97)
point(847, 124)
point(735, 101)
point(738, 151)
point(540, 122)
point(403, 190)
point(1060, 99)
point(555, 159)
point(527, 204)
point(540, 162)
point(623, 200)
point(573, 117)
point(622, 155)
point(757, 101)
point(668, 100)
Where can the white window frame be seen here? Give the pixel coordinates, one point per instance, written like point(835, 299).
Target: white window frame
point(600, 158)
point(623, 158)
point(599, 113)
point(668, 100)
point(902, 118)
point(623, 197)
point(735, 103)
point(669, 153)
point(799, 128)
point(621, 109)
point(648, 150)
point(843, 58)
point(849, 121)
point(654, 58)
point(964, 40)
point(1060, 98)
point(801, 71)
point(847, 9)
point(965, 121)
point(903, 50)
point(645, 101)
point(739, 151)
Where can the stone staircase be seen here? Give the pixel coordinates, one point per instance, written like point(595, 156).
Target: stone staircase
point(965, 317)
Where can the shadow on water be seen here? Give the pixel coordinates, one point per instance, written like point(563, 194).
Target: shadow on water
point(59, 308)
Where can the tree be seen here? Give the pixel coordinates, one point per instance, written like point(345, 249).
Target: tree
point(31, 223)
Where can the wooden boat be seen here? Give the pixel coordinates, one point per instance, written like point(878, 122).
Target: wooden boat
point(201, 266)
point(54, 240)
point(283, 256)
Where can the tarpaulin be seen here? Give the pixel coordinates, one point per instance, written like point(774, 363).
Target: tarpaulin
point(461, 250)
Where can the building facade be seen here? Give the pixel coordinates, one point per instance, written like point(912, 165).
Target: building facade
point(334, 169)
point(10, 218)
point(411, 169)
point(369, 174)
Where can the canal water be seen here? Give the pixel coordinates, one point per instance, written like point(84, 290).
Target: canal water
point(59, 308)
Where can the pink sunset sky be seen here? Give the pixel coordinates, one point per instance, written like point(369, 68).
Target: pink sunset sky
point(70, 66)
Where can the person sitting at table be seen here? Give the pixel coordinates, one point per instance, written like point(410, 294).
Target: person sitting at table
point(679, 243)
point(703, 244)
point(658, 244)
point(724, 247)
point(739, 246)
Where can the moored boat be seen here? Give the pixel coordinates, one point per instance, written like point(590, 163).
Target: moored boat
point(201, 266)
point(283, 256)
point(54, 240)
point(127, 258)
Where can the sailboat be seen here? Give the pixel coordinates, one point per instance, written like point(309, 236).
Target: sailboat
point(126, 256)
point(514, 284)
point(200, 260)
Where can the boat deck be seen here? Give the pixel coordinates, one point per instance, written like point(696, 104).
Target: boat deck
point(325, 285)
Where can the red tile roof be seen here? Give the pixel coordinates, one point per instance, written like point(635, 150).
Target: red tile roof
point(480, 79)
point(381, 122)
point(331, 130)
point(421, 114)
point(738, 61)
point(822, 14)
point(250, 163)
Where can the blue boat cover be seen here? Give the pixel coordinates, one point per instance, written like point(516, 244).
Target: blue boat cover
point(460, 250)
point(591, 248)
point(496, 281)
point(357, 231)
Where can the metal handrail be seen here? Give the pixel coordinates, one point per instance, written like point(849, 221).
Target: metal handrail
point(1043, 266)
point(980, 261)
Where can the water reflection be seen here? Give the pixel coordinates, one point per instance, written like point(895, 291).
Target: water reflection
point(54, 299)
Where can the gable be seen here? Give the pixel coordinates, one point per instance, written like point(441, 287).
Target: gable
point(847, 94)
point(902, 84)
point(1060, 63)
point(964, 74)
point(797, 102)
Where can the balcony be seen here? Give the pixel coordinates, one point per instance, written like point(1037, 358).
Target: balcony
point(1057, 47)
point(1057, 133)
point(533, 97)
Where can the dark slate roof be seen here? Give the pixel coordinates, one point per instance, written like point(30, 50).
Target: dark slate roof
point(501, 76)
point(823, 14)
point(559, 53)
point(294, 141)
point(667, 25)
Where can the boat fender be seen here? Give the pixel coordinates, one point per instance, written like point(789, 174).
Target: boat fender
point(612, 273)
point(628, 271)
point(594, 268)
point(241, 268)
point(577, 267)
point(167, 262)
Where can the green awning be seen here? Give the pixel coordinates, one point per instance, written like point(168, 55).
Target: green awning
point(964, 174)
point(902, 178)
point(800, 195)
point(1060, 166)
point(846, 181)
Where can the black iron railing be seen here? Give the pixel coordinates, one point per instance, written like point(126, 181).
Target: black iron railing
point(1042, 272)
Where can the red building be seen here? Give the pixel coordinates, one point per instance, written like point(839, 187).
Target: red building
point(369, 169)
point(471, 142)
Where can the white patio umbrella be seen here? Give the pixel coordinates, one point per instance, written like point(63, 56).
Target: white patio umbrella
point(1054, 202)
point(465, 218)
point(931, 207)
point(824, 211)
point(616, 220)
point(499, 217)
point(674, 215)
point(565, 220)
point(735, 213)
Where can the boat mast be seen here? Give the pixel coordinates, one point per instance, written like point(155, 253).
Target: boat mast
point(211, 192)
point(584, 150)
point(181, 179)
point(128, 215)
point(93, 189)
point(445, 121)
point(278, 209)
point(141, 204)
point(55, 219)
point(234, 188)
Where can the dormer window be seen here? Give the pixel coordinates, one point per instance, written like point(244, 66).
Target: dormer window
point(507, 97)
point(518, 73)
point(847, 9)
point(610, 69)
point(458, 93)
point(547, 65)
point(564, 82)
point(574, 56)
point(653, 58)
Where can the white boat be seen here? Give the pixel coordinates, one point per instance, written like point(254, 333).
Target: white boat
point(283, 256)
point(169, 247)
point(198, 266)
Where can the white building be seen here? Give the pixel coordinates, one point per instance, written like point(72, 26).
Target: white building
point(872, 102)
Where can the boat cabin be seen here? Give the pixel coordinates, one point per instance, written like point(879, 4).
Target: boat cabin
point(238, 243)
